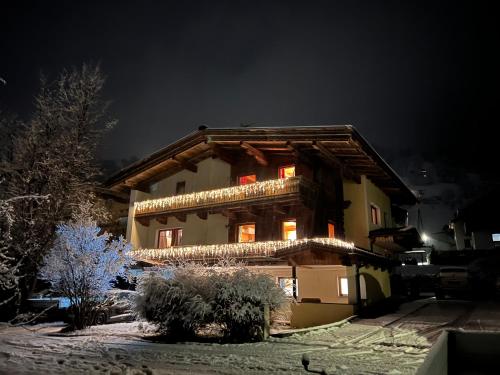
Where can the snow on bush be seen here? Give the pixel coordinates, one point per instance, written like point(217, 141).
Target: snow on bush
point(81, 265)
point(189, 297)
point(239, 302)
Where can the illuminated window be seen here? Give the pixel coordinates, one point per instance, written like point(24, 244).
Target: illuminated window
point(495, 237)
point(331, 230)
point(248, 179)
point(375, 213)
point(286, 283)
point(285, 172)
point(169, 237)
point(343, 287)
point(180, 188)
point(290, 230)
point(246, 233)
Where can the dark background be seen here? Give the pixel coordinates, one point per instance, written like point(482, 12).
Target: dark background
point(415, 78)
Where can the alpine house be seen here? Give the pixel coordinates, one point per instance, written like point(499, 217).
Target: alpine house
point(314, 206)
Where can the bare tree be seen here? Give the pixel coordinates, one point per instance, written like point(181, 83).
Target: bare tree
point(52, 156)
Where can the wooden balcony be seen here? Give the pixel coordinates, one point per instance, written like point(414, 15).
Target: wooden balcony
point(279, 191)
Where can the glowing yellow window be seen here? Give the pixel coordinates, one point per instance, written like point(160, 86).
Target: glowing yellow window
point(246, 233)
point(343, 287)
point(287, 171)
point(290, 230)
point(248, 179)
point(331, 230)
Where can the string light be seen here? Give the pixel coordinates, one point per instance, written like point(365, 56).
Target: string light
point(264, 249)
point(231, 194)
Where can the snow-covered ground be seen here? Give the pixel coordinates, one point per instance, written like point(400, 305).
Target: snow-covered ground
point(391, 344)
point(122, 349)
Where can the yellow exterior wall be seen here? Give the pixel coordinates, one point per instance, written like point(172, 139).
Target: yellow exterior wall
point(380, 199)
point(320, 282)
point(377, 285)
point(314, 314)
point(357, 217)
point(212, 174)
point(273, 271)
point(377, 282)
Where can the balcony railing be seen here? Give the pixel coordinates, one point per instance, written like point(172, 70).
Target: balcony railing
point(247, 250)
point(223, 196)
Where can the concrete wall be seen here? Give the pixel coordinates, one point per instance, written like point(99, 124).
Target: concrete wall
point(212, 174)
point(357, 217)
point(314, 314)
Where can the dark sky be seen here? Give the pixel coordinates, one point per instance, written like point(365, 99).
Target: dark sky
point(416, 75)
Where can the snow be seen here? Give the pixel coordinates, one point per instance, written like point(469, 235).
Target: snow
point(127, 348)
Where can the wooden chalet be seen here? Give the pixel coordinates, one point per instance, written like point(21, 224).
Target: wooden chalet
point(304, 204)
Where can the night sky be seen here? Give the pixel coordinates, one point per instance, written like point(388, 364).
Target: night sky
point(418, 77)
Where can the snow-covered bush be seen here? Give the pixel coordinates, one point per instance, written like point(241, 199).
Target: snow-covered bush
point(81, 265)
point(179, 303)
point(239, 302)
point(192, 296)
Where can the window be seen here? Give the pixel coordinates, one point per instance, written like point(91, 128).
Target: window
point(246, 232)
point(286, 283)
point(287, 171)
point(248, 179)
point(180, 188)
point(169, 237)
point(331, 230)
point(495, 237)
point(343, 287)
point(375, 213)
point(290, 230)
point(153, 188)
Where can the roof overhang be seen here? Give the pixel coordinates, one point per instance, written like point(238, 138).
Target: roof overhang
point(338, 145)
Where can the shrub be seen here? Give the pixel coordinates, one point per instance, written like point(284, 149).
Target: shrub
point(179, 304)
point(239, 302)
point(193, 296)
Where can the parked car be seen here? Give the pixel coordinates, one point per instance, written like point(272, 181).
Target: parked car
point(117, 307)
point(452, 281)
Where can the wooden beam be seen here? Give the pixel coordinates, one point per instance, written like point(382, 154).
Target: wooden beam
point(280, 210)
point(228, 214)
point(330, 157)
point(186, 164)
point(202, 215)
point(162, 219)
point(252, 211)
point(181, 217)
point(219, 152)
point(135, 186)
point(143, 221)
point(257, 154)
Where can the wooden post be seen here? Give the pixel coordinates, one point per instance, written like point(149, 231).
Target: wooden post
point(267, 322)
point(294, 282)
